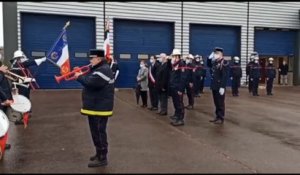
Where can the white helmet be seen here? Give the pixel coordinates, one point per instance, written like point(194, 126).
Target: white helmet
point(271, 59)
point(176, 52)
point(18, 53)
point(4, 124)
point(236, 58)
point(191, 56)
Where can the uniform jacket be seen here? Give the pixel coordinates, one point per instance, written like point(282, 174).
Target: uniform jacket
point(143, 75)
point(191, 77)
point(248, 68)
point(5, 88)
point(219, 73)
point(255, 71)
point(235, 70)
point(270, 71)
point(178, 77)
point(98, 91)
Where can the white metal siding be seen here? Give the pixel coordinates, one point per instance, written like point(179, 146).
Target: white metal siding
point(152, 11)
point(89, 9)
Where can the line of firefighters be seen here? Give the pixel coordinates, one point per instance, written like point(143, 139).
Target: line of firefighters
point(188, 74)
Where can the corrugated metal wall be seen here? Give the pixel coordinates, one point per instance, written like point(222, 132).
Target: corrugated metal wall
point(153, 11)
point(262, 14)
point(89, 9)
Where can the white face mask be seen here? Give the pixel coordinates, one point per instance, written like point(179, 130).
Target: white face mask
point(255, 61)
point(201, 62)
point(197, 60)
point(236, 61)
point(187, 61)
point(142, 65)
point(271, 62)
point(151, 61)
point(217, 56)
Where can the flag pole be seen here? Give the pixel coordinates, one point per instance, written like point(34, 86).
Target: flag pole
point(64, 28)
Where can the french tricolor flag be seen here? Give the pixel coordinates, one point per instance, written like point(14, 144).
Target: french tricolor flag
point(59, 54)
point(106, 45)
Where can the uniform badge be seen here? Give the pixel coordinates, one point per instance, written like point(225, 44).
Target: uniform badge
point(64, 38)
point(54, 55)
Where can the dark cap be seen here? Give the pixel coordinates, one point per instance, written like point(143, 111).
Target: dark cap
point(218, 49)
point(96, 53)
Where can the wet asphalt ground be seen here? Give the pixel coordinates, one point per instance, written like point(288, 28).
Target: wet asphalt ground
point(260, 135)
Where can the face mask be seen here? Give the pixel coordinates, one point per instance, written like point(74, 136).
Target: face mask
point(142, 65)
point(197, 60)
point(271, 62)
point(217, 56)
point(236, 61)
point(201, 62)
point(187, 61)
point(151, 61)
point(256, 61)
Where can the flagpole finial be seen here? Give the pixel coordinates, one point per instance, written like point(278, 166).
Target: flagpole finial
point(67, 24)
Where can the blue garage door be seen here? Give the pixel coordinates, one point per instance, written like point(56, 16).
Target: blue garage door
point(39, 32)
point(203, 39)
point(275, 42)
point(133, 38)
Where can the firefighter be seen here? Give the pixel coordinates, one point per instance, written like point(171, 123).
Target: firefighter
point(255, 75)
point(190, 73)
point(270, 74)
point(235, 75)
point(97, 101)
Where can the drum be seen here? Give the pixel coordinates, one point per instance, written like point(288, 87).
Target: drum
point(21, 104)
point(4, 124)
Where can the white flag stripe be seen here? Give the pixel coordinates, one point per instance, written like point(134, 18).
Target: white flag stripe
point(64, 56)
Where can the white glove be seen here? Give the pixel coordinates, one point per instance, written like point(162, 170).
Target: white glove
point(221, 91)
point(28, 80)
point(211, 56)
point(40, 60)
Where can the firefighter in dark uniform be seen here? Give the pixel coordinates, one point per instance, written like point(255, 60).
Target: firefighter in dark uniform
point(18, 60)
point(5, 93)
point(248, 69)
point(255, 75)
point(270, 74)
point(219, 71)
point(190, 73)
point(203, 74)
point(235, 75)
point(178, 81)
point(154, 65)
point(97, 103)
point(197, 74)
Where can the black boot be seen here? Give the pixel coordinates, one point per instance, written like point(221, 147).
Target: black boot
point(214, 120)
point(93, 157)
point(98, 162)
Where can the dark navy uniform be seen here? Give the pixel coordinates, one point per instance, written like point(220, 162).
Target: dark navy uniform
point(197, 74)
point(219, 76)
point(248, 69)
point(152, 85)
point(114, 67)
point(236, 75)
point(5, 91)
point(19, 70)
point(255, 73)
point(270, 74)
point(97, 102)
point(178, 79)
point(190, 73)
point(203, 76)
